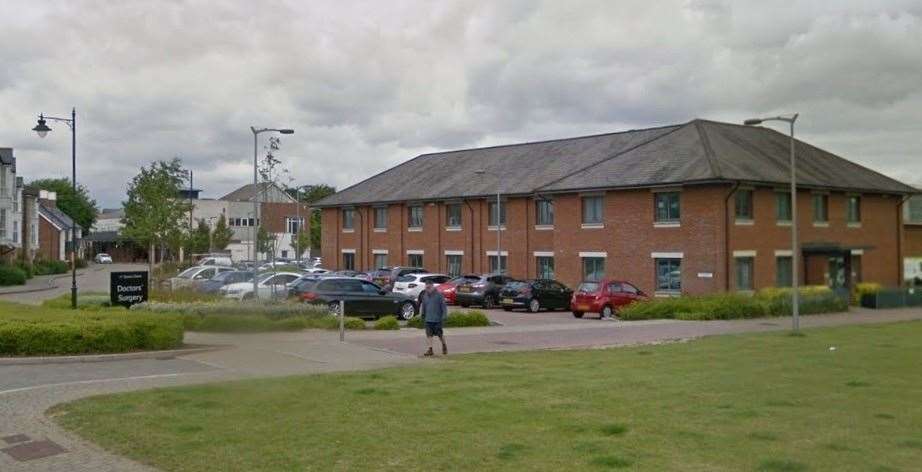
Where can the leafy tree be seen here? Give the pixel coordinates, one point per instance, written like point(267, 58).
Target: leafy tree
point(222, 234)
point(153, 214)
point(302, 242)
point(265, 241)
point(77, 205)
point(310, 194)
point(199, 238)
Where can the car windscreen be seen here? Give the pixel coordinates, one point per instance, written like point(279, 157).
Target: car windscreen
point(588, 287)
point(188, 273)
point(263, 277)
point(517, 284)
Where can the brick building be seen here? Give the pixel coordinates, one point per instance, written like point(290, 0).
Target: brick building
point(691, 208)
point(912, 252)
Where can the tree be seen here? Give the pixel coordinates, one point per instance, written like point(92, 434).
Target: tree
point(302, 242)
point(198, 241)
point(310, 194)
point(77, 205)
point(222, 234)
point(265, 241)
point(153, 214)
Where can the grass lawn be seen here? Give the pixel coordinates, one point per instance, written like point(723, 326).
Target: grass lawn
point(765, 402)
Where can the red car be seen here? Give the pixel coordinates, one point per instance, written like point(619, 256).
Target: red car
point(604, 297)
point(448, 288)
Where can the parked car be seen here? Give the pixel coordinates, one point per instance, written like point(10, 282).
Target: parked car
point(270, 285)
point(362, 298)
point(535, 294)
point(293, 286)
point(483, 291)
point(346, 273)
point(385, 277)
point(214, 284)
point(413, 284)
point(448, 288)
point(604, 297)
point(224, 261)
point(369, 276)
point(191, 276)
point(103, 258)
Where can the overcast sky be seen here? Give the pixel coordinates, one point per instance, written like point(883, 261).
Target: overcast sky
point(367, 85)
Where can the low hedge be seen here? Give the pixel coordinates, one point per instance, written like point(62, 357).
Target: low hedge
point(249, 317)
point(85, 301)
point(50, 267)
point(274, 310)
point(12, 275)
point(33, 331)
point(455, 319)
point(387, 323)
point(261, 324)
point(726, 306)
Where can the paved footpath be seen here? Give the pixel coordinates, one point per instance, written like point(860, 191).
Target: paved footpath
point(27, 391)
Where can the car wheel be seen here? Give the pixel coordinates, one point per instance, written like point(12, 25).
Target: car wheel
point(333, 307)
point(534, 305)
point(507, 308)
point(407, 311)
point(606, 313)
point(488, 302)
point(577, 314)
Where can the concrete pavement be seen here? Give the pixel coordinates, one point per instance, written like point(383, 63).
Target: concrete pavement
point(27, 391)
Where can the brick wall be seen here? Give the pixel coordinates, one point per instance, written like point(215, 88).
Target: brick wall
point(628, 237)
point(913, 241)
point(49, 241)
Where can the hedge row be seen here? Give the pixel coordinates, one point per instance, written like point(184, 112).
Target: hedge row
point(456, 319)
point(31, 331)
point(261, 324)
point(275, 310)
point(726, 306)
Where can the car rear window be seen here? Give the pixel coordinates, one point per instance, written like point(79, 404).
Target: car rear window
point(589, 287)
point(406, 278)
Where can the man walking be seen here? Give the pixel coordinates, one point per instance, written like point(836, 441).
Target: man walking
point(433, 309)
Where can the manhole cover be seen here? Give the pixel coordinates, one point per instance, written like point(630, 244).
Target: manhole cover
point(34, 450)
point(16, 438)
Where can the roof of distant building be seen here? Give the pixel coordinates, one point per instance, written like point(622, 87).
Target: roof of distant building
point(57, 217)
point(247, 192)
point(699, 151)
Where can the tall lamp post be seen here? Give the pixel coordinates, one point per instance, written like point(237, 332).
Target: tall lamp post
point(256, 132)
point(42, 130)
point(795, 253)
point(499, 226)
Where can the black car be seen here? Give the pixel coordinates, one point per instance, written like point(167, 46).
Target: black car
point(214, 284)
point(362, 297)
point(535, 294)
point(386, 276)
point(483, 291)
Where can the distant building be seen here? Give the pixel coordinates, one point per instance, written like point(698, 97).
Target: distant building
point(912, 230)
point(54, 229)
point(10, 205)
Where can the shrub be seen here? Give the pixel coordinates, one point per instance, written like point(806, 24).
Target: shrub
point(235, 317)
point(352, 323)
point(81, 263)
point(50, 267)
point(726, 306)
point(11, 275)
point(387, 322)
point(30, 331)
point(85, 301)
point(243, 324)
point(864, 288)
point(456, 319)
point(271, 310)
point(26, 267)
point(182, 295)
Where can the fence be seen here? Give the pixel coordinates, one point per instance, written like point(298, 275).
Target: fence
point(892, 298)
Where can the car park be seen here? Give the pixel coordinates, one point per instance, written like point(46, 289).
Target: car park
point(413, 285)
point(604, 297)
point(361, 298)
point(535, 294)
point(102, 258)
point(483, 291)
point(385, 277)
point(448, 288)
point(269, 284)
point(214, 284)
point(193, 275)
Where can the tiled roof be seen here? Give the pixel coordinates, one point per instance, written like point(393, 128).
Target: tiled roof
point(697, 151)
point(56, 216)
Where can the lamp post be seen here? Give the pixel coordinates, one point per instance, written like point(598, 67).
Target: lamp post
point(499, 259)
point(256, 132)
point(42, 130)
point(795, 253)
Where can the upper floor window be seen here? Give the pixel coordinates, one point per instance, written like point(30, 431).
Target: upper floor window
point(544, 212)
point(853, 209)
point(500, 214)
point(348, 218)
point(294, 225)
point(453, 215)
point(820, 207)
point(783, 206)
point(667, 208)
point(744, 204)
point(381, 218)
point(914, 210)
point(592, 210)
point(415, 219)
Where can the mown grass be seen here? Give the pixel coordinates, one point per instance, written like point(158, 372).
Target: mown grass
point(765, 402)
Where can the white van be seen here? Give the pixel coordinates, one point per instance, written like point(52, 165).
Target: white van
point(223, 261)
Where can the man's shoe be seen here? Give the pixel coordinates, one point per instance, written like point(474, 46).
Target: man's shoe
point(444, 349)
point(428, 352)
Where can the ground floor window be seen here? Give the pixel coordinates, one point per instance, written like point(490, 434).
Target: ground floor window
point(545, 266)
point(668, 275)
point(744, 273)
point(348, 261)
point(415, 260)
point(453, 262)
point(593, 269)
point(498, 264)
point(856, 269)
point(783, 273)
point(380, 260)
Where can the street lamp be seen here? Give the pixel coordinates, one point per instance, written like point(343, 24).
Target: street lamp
point(795, 253)
point(42, 130)
point(256, 132)
point(499, 259)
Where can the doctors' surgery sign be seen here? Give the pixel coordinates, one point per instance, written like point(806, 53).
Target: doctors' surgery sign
point(128, 288)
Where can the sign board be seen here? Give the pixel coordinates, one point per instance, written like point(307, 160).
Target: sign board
point(705, 275)
point(128, 288)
